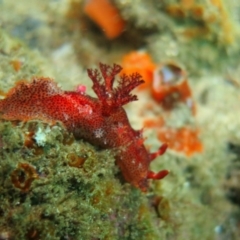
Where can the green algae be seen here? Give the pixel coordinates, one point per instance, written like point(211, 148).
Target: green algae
point(84, 202)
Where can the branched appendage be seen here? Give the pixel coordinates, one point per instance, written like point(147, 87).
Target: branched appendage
point(125, 85)
point(97, 87)
point(109, 74)
point(112, 98)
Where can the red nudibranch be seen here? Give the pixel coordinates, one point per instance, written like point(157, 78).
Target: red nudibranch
point(101, 121)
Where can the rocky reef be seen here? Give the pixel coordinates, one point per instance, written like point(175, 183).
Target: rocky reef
point(54, 186)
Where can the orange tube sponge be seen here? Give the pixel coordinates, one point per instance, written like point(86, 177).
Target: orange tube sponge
point(106, 16)
point(170, 86)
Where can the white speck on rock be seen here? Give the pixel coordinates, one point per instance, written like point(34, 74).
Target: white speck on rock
point(41, 136)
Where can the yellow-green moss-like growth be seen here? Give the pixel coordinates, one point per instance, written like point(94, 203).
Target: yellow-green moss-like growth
point(54, 187)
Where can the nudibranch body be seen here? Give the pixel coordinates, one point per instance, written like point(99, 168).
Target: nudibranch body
point(101, 121)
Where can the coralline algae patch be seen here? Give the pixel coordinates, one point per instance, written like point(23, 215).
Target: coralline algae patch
point(54, 187)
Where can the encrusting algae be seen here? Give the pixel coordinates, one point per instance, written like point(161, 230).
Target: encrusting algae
point(45, 196)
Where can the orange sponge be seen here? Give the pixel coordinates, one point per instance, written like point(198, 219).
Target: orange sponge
point(141, 62)
point(106, 15)
point(185, 139)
